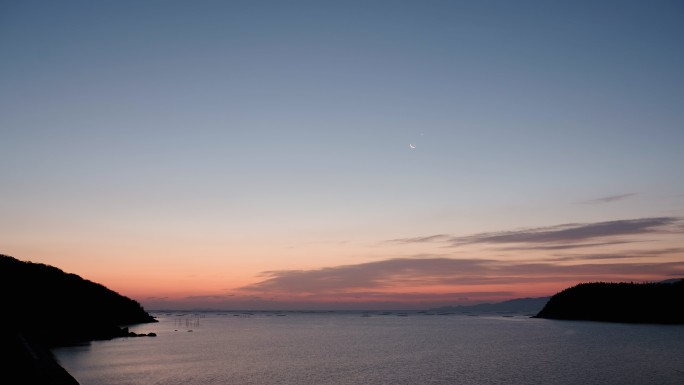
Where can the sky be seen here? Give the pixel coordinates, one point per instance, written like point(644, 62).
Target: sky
point(343, 154)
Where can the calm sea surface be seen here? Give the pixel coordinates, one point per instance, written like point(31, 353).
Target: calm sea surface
point(353, 348)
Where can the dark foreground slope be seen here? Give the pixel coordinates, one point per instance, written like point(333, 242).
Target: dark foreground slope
point(43, 307)
point(619, 302)
point(29, 363)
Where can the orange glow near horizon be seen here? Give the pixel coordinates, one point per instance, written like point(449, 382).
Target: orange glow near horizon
point(420, 272)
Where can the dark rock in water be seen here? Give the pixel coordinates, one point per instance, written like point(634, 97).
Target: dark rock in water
point(619, 302)
point(132, 334)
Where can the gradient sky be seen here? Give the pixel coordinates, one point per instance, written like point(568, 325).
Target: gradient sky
point(256, 154)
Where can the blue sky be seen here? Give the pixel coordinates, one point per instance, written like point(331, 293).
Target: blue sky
point(216, 125)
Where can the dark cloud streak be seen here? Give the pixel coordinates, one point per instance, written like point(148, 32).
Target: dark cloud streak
point(609, 199)
point(426, 239)
point(405, 272)
point(625, 255)
point(559, 237)
point(571, 232)
point(381, 274)
point(565, 246)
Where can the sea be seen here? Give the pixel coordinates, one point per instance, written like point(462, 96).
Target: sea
point(200, 348)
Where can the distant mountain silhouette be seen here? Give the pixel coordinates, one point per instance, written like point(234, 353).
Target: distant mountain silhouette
point(520, 305)
point(54, 307)
point(619, 302)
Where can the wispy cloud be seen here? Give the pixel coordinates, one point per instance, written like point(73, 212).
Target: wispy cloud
point(370, 275)
point(608, 199)
point(559, 237)
point(566, 246)
point(570, 233)
point(593, 257)
point(210, 297)
point(425, 239)
point(401, 273)
point(675, 251)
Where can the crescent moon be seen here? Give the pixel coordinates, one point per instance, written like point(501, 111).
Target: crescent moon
point(412, 146)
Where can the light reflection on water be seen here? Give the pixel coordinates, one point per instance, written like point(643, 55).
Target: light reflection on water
point(350, 348)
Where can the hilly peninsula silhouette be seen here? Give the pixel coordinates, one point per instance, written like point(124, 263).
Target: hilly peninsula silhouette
point(619, 302)
point(44, 307)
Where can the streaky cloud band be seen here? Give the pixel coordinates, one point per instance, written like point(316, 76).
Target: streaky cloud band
point(572, 232)
point(609, 199)
point(565, 236)
point(403, 273)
